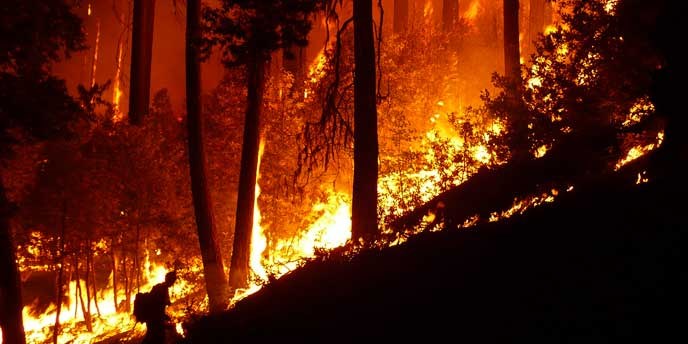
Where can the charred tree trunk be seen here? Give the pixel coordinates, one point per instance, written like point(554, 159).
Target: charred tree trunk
point(512, 58)
point(241, 248)
point(94, 285)
point(87, 279)
point(364, 198)
point(10, 288)
point(141, 57)
point(213, 267)
point(536, 23)
point(60, 275)
point(80, 295)
point(450, 14)
point(401, 15)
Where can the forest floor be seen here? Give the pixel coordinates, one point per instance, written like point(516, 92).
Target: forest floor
point(602, 263)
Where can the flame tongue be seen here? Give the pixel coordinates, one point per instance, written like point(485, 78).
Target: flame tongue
point(258, 239)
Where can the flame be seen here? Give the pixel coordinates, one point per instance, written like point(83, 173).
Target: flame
point(541, 151)
point(642, 178)
point(116, 86)
point(521, 206)
point(316, 71)
point(642, 108)
point(317, 68)
point(610, 6)
point(39, 328)
point(549, 29)
point(639, 150)
point(94, 62)
point(331, 229)
point(472, 11)
point(258, 239)
point(428, 9)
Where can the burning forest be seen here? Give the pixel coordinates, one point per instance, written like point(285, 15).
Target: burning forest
point(287, 161)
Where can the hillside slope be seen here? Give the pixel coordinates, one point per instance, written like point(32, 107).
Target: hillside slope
point(602, 263)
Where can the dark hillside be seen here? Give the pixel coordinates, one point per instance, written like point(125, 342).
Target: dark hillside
point(602, 263)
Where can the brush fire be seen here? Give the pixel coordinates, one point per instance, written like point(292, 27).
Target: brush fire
point(106, 213)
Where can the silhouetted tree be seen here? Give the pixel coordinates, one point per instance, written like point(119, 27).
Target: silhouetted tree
point(141, 57)
point(213, 264)
point(33, 106)
point(512, 56)
point(248, 32)
point(364, 196)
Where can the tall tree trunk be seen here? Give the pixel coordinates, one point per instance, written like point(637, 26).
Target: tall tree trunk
point(512, 70)
point(10, 289)
point(213, 265)
point(512, 58)
point(60, 275)
point(241, 248)
point(94, 285)
point(450, 14)
point(80, 295)
point(536, 23)
point(87, 280)
point(401, 15)
point(364, 199)
point(141, 57)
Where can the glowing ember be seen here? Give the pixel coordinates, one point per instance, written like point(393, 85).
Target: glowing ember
point(642, 178)
point(541, 151)
point(640, 110)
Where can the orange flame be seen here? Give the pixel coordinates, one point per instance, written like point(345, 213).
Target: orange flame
point(472, 11)
point(38, 329)
point(116, 86)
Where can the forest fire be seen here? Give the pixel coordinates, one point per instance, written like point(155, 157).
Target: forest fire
point(98, 205)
